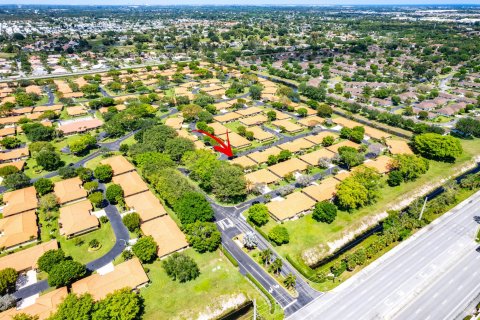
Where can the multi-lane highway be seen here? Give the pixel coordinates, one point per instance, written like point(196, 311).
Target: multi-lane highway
point(433, 275)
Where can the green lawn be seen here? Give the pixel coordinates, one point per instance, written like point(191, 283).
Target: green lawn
point(48, 222)
point(330, 283)
point(81, 253)
point(306, 233)
point(442, 119)
point(218, 282)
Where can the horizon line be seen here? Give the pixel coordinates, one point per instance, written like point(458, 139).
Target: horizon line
point(242, 5)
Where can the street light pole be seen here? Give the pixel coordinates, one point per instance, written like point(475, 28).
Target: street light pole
point(423, 208)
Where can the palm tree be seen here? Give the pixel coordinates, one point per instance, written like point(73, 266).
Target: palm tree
point(265, 256)
point(276, 266)
point(290, 281)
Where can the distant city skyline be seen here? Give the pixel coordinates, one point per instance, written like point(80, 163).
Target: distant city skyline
point(243, 2)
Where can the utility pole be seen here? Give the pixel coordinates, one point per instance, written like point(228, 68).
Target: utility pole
point(254, 309)
point(423, 208)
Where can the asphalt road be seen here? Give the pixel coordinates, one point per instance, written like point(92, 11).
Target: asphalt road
point(121, 236)
point(231, 224)
point(433, 275)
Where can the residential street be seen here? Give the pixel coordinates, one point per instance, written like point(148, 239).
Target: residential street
point(432, 275)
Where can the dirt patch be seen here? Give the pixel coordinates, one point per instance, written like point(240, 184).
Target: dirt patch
point(219, 307)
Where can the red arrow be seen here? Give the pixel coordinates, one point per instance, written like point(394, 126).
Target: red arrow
point(226, 149)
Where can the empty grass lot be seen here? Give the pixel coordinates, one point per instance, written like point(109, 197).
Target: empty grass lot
point(219, 280)
point(306, 233)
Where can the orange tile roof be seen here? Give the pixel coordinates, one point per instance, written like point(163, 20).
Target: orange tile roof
point(34, 89)
point(260, 134)
point(263, 176)
point(44, 305)
point(119, 164)
point(342, 175)
point(126, 274)
point(131, 183)
point(312, 158)
point(77, 218)
point(18, 164)
point(284, 168)
point(27, 259)
point(146, 204)
point(292, 205)
point(325, 190)
point(311, 121)
point(288, 125)
point(10, 120)
point(346, 143)
point(262, 156)
point(9, 131)
point(80, 126)
point(41, 109)
point(166, 233)
point(398, 147)
point(296, 145)
point(22, 111)
point(375, 133)
point(218, 128)
point(249, 111)
point(76, 111)
point(227, 117)
point(175, 123)
point(236, 140)
point(185, 134)
point(254, 120)
point(280, 115)
point(344, 122)
point(18, 229)
point(381, 164)
point(14, 154)
point(318, 138)
point(20, 201)
point(244, 161)
point(69, 190)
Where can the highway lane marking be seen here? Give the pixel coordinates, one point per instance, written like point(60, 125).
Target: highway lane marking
point(468, 296)
point(290, 304)
point(225, 224)
point(444, 301)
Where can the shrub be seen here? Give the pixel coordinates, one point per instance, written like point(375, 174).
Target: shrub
point(114, 193)
point(65, 272)
point(203, 236)
point(8, 278)
point(325, 211)
point(103, 173)
point(132, 221)
point(96, 199)
point(43, 186)
point(258, 214)
point(279, 235)
point(145, 249)
point(192, 207)
point(49, 259)
point(181, 267)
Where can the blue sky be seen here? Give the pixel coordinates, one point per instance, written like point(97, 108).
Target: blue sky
point(239, 2)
